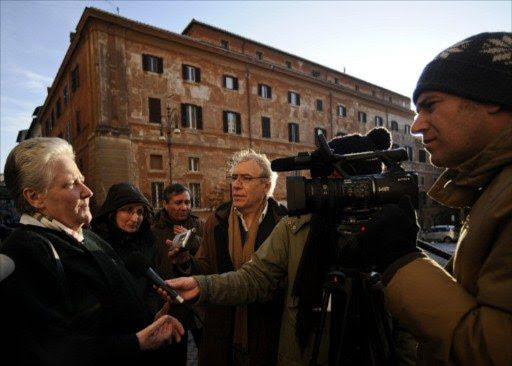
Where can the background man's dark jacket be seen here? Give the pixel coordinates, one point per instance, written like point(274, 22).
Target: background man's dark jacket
point(264, 320)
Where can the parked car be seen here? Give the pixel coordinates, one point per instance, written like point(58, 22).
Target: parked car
point(445, 233)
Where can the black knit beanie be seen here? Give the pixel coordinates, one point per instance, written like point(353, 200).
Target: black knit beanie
point(478, 68)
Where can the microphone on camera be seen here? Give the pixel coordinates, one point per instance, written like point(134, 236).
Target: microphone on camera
point(139, 266)
point(6, 267)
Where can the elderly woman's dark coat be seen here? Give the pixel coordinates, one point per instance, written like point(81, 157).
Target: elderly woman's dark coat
point(125, 243)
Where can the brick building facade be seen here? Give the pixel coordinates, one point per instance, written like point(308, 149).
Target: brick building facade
point(149, 106)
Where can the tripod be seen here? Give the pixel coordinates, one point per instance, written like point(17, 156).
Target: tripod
point(360, 330)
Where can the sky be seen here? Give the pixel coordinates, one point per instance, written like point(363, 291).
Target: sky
point(386, 43)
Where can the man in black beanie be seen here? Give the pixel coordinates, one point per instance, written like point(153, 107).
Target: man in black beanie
point(462, 315)
point(297, 256)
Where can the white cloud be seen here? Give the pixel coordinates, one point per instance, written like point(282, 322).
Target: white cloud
point(32, 81)
point(13, 122)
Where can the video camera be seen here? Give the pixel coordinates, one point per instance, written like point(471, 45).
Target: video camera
point(351, 197)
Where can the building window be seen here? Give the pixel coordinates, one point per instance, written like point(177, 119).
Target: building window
point(264, 91)
point(156, 162)
point(155, 110)
point(390, 99)
point(315, 73)
point(423, 199)
point(232, 122)
point(52, 119)
point(191, 73)
point(58, 108)
point(394, 126)
point(75, 79)
point(48, 127)
point(191, 116)
point(357, 87)
point(78, 122)
point(193, 164)
point(65, 95)
point(409, 153)
point(336, 81)
point(224, 44)
point(294, 98)
point(265, 127)
point(421, 180)
point(379, 121)
point(195, 189)
point(259, 55)
point(157, 189)
point(153, 64)
point(319, 105)
point(319, 131)
point(341, 111)
point(230, 82)
point(293, 132)
point(422, 156)
point(361, 116)
point(373, 93)
point(69, 137)
point(407, 129)
point(288, 64)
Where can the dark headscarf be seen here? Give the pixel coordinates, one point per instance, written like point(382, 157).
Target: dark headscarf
point(104, 223)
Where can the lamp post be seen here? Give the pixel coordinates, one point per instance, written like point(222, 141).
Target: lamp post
point(170, 122)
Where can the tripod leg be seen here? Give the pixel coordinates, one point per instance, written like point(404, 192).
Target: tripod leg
point(319, 332)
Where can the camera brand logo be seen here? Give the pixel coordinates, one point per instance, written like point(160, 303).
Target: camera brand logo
point(384, 189)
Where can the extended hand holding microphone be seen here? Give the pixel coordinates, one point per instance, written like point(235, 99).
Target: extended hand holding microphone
point(139, 266)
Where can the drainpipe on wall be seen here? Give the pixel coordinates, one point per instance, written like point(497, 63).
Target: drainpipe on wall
point(248, 89)
point(330, 115)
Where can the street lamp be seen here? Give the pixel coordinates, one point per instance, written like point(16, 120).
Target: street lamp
point(171, 124)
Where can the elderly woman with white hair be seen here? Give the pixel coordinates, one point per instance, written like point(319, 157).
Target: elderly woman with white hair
point(70, 300)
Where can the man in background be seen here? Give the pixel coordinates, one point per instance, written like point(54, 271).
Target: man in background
point(175, 218)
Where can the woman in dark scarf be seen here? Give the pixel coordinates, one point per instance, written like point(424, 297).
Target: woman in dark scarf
point(124, 222)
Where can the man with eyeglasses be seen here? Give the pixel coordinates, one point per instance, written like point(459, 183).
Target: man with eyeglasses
point(249, 334)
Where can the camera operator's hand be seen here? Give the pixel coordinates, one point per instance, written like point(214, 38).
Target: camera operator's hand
point(390, 235)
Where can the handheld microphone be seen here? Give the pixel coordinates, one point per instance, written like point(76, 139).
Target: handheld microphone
point(6, 267)
point(139, 266)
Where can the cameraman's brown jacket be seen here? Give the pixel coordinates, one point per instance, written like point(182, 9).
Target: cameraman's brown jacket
point(463, 315)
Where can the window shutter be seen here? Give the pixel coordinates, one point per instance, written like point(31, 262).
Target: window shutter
point(235, 83)
point(298, 100)
point(289, 131)
point(199, 118)
point(290, 97)
point(238, 124)
point(225, 119)
point(184, 115)
point(184, 71)
point(145, 62)
point(224, 81)
point(198, 75)
point(269, 92)
point(155, 111)
point(260, 91)
point(160, 65)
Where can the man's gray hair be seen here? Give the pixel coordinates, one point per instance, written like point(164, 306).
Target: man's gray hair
point(29, 166)
point(261, 160)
